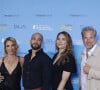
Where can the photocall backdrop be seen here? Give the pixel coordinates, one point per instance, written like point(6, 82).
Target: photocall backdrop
point(21, 18)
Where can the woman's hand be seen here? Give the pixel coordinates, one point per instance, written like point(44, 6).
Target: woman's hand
point(1, 78)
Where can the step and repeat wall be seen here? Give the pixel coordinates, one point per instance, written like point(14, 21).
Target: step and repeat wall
point(21, 18)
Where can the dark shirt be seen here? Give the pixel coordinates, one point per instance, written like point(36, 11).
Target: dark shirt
point(11, 81)
point(37, 72)
point(68, 66)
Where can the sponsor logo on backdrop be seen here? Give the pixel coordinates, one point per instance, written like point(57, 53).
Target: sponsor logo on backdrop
point(17, 26)
point(78, 15)
point(3, 27)
point(42, 27)
point(10, 15)
point(66, 27)
point(49, 41)
point(43, 15)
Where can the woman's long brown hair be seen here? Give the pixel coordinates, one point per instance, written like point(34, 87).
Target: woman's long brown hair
point(68, 50)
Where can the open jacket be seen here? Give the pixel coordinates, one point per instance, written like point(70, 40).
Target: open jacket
point(93, 77)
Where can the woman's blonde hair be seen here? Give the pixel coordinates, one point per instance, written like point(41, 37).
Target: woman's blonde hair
point(13, 40)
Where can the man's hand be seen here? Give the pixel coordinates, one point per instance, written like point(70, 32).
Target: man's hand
point(86, 68)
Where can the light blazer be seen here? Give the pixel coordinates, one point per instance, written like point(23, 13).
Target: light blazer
point(93, 77)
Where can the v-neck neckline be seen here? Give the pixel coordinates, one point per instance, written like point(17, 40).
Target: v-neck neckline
point(10, 73)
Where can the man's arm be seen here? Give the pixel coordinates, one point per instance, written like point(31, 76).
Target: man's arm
point(47, 74)
point(92, 73)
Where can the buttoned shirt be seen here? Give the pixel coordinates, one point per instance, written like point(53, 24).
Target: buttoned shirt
point(37, 72)
point(84, 61)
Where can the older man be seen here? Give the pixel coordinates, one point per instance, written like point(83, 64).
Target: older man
point(90, 65)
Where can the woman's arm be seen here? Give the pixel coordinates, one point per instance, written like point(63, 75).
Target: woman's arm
point(65, 76)
point(1, 77)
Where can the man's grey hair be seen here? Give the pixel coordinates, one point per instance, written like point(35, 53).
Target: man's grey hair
point(88, 28)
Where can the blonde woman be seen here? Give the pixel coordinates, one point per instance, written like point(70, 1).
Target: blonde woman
point(10, 66)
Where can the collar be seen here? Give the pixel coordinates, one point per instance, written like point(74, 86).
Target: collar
point(39, 51)
point(90, 52)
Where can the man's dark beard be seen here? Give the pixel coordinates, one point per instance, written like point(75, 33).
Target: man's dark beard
point(35, 48)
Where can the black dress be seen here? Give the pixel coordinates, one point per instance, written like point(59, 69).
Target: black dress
point(68, 66)
point(11, 81)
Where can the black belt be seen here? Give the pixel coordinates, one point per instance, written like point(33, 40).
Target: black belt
point(39, 88)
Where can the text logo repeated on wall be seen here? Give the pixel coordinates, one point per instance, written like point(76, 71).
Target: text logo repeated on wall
point(42, 27)
point(17, 26)
point(10, 15)
point(66, 27)
point(3, 27)
point(43, 15)
point(49, 41)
